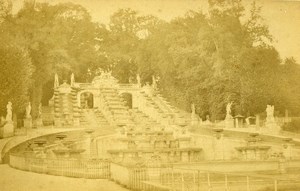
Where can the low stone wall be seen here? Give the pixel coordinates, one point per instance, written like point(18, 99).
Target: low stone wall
point(230, 166)
point(240, 166)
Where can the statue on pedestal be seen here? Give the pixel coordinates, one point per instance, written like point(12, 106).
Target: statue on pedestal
point(270, 120)
point(72, 80)
point(28, 111)
point(193, 115)
point(56, 82)
point(270, 113)
point(228, 109)
point(229, 123)
point(9, 111)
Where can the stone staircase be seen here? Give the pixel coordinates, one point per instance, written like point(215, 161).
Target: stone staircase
point(163, 110)
point(143, 120)
point(93, 118)
point(101, 120)
point(115, 106)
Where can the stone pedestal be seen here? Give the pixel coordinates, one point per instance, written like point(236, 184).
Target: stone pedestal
point(87, 143)
point(28, 123)
point(76, 122)
point(39, 123)
point(57, 122)
point(218, 149)
point(282, 165)
point(7, 130)
point(194, 120)
point(184, 157)
point(218, 145)
point(272, 127)
point(229, 122)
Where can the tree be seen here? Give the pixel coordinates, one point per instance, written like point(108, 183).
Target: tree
point(56, 43)
point(289, 86)
point(15, 78)
point(127, 31)
point(207, 60)
point(5, 9)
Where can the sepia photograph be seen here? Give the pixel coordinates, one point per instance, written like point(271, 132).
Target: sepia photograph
point(149, 95)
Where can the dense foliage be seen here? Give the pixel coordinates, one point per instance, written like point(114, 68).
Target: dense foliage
point(206, 59)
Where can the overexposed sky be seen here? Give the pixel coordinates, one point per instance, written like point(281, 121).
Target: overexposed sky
point(282, 16)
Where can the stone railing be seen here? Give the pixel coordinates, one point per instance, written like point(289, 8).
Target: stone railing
point(80, 168)
point(128, 86)
point(132, 177)
point(185, 179)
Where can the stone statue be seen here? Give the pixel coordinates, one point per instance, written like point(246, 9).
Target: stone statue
point(193, 109)
point(89, 73)
point(138, 78)
point(28, 111)
point(99, 71)
point(247, 121)
point(130, 80)
point(270, 113)
point(9, 111)
point(40, 111)
point(72, 80)
point(154, 85)
point(228, 108)
point(207, 118)
point(56, 82)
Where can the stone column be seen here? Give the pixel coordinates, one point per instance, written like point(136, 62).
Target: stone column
point(257, 125)
point(87, 144)
point(218, 145)
point(7, 130)
point(282, 164)
point(229, 122)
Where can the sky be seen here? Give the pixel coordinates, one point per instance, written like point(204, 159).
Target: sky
point(282, 16)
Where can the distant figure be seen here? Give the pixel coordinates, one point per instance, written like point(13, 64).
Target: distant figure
point(9, 111)
point(56, 82)
point(72, 80)
point(28, 111)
